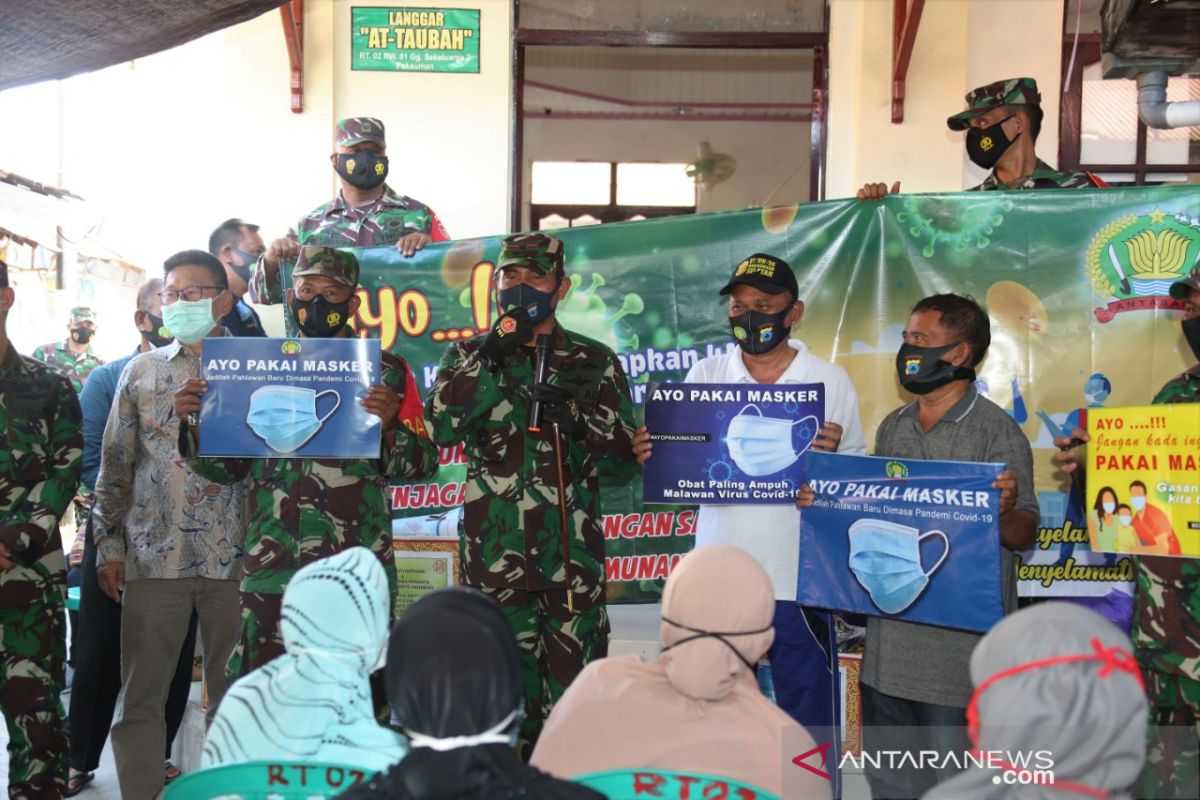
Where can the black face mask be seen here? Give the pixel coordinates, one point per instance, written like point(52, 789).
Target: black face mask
point(719, 636)
point(1191, 332)
point(539, 304)
point(320, 318)
point(363, 170)
point(922, 370)
point(248, 260)
point(986, 145)
point(82, 335)
point(158, 336)
point(757, 333)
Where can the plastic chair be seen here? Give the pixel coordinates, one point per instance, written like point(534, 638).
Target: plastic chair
point(640, 784)
point(266, 780)
point(73, 598)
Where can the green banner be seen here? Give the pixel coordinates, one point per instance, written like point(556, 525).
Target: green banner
point(414, 39)
point(1075, 282)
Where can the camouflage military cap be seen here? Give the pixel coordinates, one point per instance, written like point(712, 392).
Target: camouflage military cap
point(538, 251)
point(82, 314)
point(1012, 92)
point(1191, 283)
point(340, 265)
point(354, 130)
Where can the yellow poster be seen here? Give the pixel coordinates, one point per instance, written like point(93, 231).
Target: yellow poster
point(1143, 480)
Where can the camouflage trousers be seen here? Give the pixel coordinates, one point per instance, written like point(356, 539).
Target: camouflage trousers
point(260, 640)
point(32, 673)
point(1173, 750)
point(555, 647)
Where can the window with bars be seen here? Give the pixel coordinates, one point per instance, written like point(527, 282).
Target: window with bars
point(571, 194)
point(1099, 129)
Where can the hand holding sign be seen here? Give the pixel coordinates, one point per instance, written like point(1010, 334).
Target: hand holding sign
point(383, 403)
point(188, 398)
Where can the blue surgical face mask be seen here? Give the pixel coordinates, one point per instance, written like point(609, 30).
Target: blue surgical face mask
point(285, 417)
point(189, 321)
point(539, 304)
point(1124, 520)
point(1138, 503)
point(885, 557)
point(762, 445)
point(1108, 506)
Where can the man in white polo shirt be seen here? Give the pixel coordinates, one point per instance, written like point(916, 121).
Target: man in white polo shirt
point(764, 305)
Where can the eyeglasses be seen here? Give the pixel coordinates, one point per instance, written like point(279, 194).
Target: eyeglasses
point(189, 293)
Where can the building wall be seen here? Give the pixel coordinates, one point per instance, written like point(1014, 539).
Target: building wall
point(959, 46)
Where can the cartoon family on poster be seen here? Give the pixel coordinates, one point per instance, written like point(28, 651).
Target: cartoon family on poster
point(1132, 526)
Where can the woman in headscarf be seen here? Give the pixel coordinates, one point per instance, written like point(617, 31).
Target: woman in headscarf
point(455, 684)
point(698, 708)
point(313, 704)
point(1055, 686)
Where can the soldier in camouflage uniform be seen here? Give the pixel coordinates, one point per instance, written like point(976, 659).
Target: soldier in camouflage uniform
point(510, 538)
point(366, 212)
point(73, 356)
point(40, 460)
point(1166, 614)
point(1003, 120)
point(304, 509)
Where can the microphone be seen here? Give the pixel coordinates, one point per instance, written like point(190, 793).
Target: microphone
point(541, 355)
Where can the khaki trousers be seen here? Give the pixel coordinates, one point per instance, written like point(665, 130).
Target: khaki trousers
point(154, 622)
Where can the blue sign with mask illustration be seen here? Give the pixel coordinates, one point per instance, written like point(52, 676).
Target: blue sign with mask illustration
point(729, 444)
point(284, 398)
point(904, 539)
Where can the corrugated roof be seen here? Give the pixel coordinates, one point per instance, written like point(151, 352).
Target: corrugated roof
point(46, 39)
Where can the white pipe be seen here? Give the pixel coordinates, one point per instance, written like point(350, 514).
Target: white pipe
point(1154, 109)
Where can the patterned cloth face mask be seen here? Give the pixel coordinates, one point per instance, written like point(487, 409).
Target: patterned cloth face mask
point(285, 417)
point(762, 445)
point(885, 557)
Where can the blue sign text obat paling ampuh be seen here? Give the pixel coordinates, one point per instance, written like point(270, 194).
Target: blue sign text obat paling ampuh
point(1073, 282)
point(289, 398)
point(729, 444)
point(904, 539)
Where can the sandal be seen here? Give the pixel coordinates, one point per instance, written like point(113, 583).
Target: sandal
point(76, 781)
point(173, 772)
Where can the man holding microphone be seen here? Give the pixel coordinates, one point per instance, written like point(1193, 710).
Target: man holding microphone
point(547, 577)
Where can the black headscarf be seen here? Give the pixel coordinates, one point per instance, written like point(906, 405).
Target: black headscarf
point(453, 669)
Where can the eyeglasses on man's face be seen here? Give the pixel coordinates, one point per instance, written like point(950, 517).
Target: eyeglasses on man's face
point(189, 293)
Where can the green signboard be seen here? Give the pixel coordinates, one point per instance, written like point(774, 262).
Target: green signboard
point(415, 39)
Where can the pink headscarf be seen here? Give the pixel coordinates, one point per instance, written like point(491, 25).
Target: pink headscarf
point(698, 707)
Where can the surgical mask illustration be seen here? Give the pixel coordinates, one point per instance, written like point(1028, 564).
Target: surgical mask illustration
point(762, 445)
point(885, 557)
point(285, 417)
